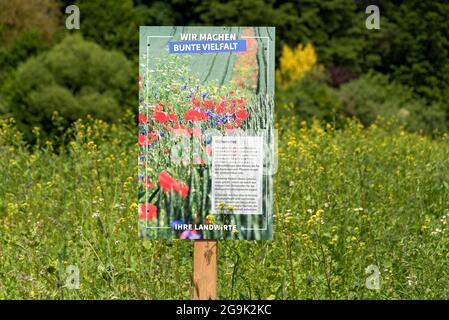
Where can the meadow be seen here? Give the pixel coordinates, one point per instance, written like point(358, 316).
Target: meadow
point(345, 199)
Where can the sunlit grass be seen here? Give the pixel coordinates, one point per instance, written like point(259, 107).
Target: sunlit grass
point(344, 200)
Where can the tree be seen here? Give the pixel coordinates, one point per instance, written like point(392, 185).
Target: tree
point(40, 16)
point(420, 52)
point(26, 29)
point(112, 24)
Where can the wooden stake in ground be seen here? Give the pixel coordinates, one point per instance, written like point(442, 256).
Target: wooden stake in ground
point(205, 270)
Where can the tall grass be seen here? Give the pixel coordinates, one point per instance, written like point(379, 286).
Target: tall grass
point(344, 200)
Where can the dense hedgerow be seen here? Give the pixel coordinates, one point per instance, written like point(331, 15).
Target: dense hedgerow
point(344, 200)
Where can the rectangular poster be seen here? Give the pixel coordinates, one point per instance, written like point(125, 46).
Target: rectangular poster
point(206, 136)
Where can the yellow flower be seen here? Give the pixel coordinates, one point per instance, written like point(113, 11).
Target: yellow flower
point(294, 63)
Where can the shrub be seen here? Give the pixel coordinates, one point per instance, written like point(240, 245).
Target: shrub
point(294, 63)
point(308, 98)
point(74, 78)
point(374, 95)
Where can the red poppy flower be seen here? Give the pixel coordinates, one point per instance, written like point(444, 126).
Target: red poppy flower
point(183, 190)
point(208, 104)
point(195, 115)
point(196, 103)
point(172, 117)
point(158, 107)
point(231, 92)
point(144, 141)
point(241, 114)
point(220, 107)
point(147, 211)
point(167, 182)
point(143, 118)
point(160, 116)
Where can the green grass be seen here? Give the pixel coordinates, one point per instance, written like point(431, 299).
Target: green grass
point(344, 200)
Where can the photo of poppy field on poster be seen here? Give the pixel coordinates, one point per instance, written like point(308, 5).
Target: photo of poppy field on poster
point(206, 132)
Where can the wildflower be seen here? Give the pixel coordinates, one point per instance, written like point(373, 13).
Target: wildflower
point(195, 115)
point(190, 234)
point(241, 114)
point(172, 117)
point(147, 211)
point(208, 104)
point(133, 206)
point(210, 219)
point(143, 118)
point(160, 116)
point(169, 183)
point(144, 140)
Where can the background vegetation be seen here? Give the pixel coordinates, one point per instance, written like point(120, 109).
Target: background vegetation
point(363, 164)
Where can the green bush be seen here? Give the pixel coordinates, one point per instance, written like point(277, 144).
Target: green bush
point(374, 95)
point(74, 78)
point(309, 98)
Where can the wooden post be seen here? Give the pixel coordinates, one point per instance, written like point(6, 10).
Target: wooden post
point(205, 270)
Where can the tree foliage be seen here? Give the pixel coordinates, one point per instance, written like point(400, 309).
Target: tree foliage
point(74, 78)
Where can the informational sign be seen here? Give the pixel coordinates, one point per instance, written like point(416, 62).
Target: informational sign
point(206, 136)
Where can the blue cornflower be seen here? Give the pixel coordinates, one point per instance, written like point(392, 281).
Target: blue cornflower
point(184, 87)
point(162, 134)
point(204, 95)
